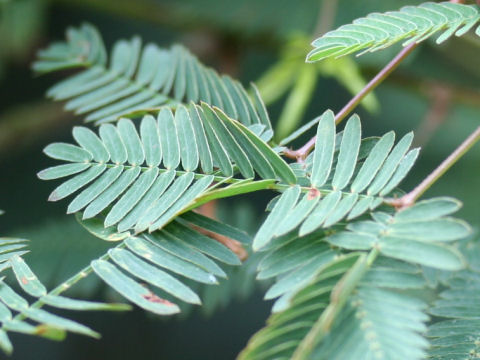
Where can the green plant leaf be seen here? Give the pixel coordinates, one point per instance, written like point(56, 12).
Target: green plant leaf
point(371, 168)
point(418, 234)
point(141, 189)
point(378, 31)
point(139, 80)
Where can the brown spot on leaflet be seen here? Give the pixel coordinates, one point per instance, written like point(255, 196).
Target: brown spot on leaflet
point(155, 299)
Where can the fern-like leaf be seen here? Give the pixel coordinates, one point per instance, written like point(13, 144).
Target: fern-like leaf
point(419, 234)
point(370, 324)
point(164, 260)
point(138, 80)
point(378, 31)
point(343, 180)
point(15, 309)
point(134, 179)
point(294, 261)
point(456, 333)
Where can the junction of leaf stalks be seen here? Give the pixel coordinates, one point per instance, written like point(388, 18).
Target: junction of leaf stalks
point(313, 193)
point(399, 203)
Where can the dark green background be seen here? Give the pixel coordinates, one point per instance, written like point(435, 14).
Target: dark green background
point(240, 37)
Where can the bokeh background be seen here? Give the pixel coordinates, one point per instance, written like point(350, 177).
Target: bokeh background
point(435, 93)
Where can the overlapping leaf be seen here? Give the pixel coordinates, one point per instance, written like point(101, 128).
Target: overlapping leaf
point(164, 260)
point(418, 234)
point(377, 323)
point(138, 80)
point(455, 334)
point(345, 180)
point(370, 324)
point(286, 329)
point(378, 31)
point(293, 261)
point(457, 337)
point(135, 179)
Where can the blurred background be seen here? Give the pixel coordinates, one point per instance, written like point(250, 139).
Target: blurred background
point(435, 93)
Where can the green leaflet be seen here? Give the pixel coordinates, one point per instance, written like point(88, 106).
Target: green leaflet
point(68, 152)
point(428, 210)
point(186, 137)
point(378, 31)
point(113, 143)
point(187, 198)
point(70, 186)
point(168, 139)
point(151, 194)
point(320, 212)
point(90, 142)
point(44, 317)
point(151, 141)
point(168, 199)
point(26, 278)
point(229, 143)
point(179, 248)
point(268, 228)
point(347, 156)
point(280, 167)
point(373, 162)
point(324, 147)
point(133, 145)
point(62, 302)
point(57, 172)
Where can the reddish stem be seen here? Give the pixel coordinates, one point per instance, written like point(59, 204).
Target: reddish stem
point(410, 198)
point(301, 153)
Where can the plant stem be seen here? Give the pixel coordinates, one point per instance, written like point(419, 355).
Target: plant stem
point(410, 198)
point(302, 153)
point(382, 75)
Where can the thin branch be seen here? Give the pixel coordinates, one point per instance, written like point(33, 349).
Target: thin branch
point(82, 274)
point(410, 198)
point(377, 80)
point(303, 152)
